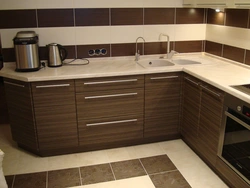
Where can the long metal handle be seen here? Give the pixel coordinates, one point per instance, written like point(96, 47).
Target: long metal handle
point(196, 83)
point(217, 94)
point(208, 4)
point(108, 82)
point(112, 122)
point(164, 77)
point(14, 84)
point(237, 120)
point(107, 96)
point(48, 86)
point(242, 4)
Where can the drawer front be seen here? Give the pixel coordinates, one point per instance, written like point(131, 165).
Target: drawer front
point(53, 93)
point(92, 105)
point(109, 83)
point(102, 131)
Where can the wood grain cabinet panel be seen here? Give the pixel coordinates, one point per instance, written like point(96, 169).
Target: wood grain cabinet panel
point(162, 104)
point(22, 119)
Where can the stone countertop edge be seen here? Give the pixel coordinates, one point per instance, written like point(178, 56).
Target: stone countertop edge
point(217, 71)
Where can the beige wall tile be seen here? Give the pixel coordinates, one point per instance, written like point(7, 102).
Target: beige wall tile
point(189, 32)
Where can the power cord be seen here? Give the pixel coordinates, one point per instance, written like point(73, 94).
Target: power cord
point(82, 59)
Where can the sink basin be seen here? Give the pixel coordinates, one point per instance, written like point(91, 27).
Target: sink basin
point(185, 62)
point(155, 63)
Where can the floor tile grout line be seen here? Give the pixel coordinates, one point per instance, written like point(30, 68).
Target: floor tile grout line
point(112, 171)
point(163, 172)
point(143, 166)
point(80, 175)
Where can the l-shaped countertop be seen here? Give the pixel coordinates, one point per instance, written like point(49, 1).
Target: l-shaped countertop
point(219, 72)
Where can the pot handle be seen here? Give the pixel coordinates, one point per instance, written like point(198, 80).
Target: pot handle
point(63, 52)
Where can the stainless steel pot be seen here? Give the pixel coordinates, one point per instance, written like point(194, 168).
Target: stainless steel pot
point(56, 54)
point(26, 51)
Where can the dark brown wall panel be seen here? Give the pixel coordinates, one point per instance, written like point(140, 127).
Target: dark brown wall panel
point(17, 19)
point(237, 17)
point(55, 17)
point(127, 49)
point(214, 17)
point(233, 53)
point(82, 50)
point(9, 55)
point(159, 16)
point(188, 46)
point(126, 16)
point(190, 15)
point(247, 60)
point(213, 48)
point(157, 48)
point(92, 17)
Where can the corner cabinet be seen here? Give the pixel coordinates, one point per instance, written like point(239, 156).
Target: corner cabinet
point(162, 105)
point(202, 110)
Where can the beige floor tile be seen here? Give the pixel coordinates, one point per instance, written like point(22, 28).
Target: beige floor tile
point(120, 154)
point(137, 182)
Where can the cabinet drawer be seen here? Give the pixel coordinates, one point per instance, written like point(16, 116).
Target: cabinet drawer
point(163, 80)
point(110, 103)
point(109, 83)
point(53, 93)
point(110, 130)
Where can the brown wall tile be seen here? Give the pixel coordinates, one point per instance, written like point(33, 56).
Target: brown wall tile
point(157, 48)
point(247, 60)
point(9, 55)
point(188, 46)
point(159, 16)
point(190, 15)
point(55, 17)
point(213, 48)
point(92, 17)
point(82, 50)
point(17, 19)
point(214, 17)
point(126, 16)
point(237, 17)
point(125, 49)
point(233, 53)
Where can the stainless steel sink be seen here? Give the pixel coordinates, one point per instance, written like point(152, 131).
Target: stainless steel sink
point(155, 63)
point(185, 62)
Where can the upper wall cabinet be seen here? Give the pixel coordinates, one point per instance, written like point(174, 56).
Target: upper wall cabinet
point(214, 3)
point(242, 3)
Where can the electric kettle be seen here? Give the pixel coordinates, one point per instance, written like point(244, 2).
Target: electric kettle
point(56, 55)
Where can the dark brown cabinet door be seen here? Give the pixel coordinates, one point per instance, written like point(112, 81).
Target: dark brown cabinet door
point(55, 112)
point(162, 105)
point(190, 110)
point(210, 121)
point(20, 107)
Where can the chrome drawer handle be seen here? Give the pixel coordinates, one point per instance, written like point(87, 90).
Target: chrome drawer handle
point(108, 82)
point(217, 94)
point(196, 83)
point(107, 96)
point(48, 86)
point(164, 77)
point(112, 122)
point(14, 84)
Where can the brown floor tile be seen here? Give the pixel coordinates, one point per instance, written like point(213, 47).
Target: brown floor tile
point(128, 169)
point(172, 179)
point(64, 178)
point(9, 180)
point(37, 180)
point(96, 174)
point(157, 164)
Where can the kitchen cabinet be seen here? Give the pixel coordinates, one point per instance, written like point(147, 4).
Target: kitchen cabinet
point(109, 110)
point(55, 114)
point(162, 105)
point(21, 114)
point(201, 117)
point(209, 3)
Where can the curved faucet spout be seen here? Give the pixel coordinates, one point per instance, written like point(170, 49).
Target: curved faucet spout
point(168, 47)
point(137, 54)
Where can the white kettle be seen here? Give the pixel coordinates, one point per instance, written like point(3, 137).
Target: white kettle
point(56, 55)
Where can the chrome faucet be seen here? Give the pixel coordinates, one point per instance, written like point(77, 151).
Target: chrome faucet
point(137, 52)
point(168, 47)
point(171, 54)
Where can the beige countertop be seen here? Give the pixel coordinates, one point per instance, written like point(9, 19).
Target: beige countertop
point(218, 72)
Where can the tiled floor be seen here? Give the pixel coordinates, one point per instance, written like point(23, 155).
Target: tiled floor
point(164, 164)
